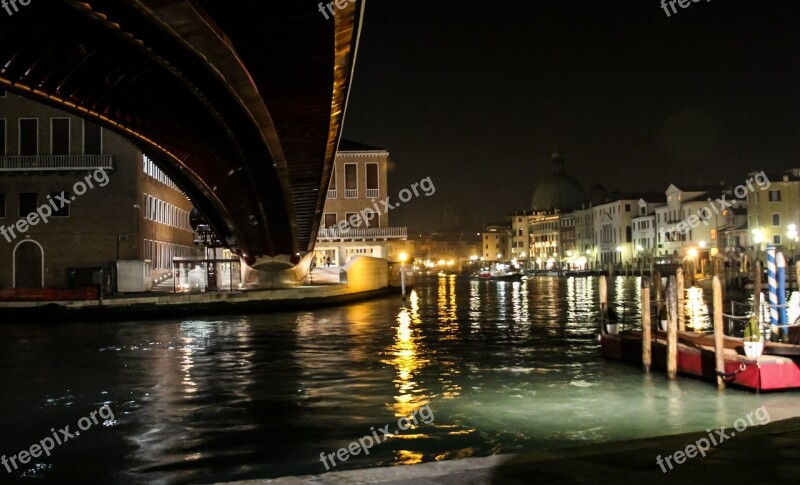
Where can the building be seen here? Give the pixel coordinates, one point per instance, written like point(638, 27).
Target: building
point(355, 222)
point(521, 236)
point(553, 227)
point(558, 191)
point(615, 231)
point(773, 214)
point(645, 240)
point(496, 240)
point(75, 196)
point(545, 231)
point(690, 221)
point(453, 248)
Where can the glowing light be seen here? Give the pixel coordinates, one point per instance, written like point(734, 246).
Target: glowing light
point(702, 244)
point(403, 257)
point(692, 253)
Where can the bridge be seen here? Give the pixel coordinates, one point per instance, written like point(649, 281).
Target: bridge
point(240, 102)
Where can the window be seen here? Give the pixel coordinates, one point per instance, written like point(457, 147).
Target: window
point(59, 136)
point(776, 239)
point(92, 139)
point(350, 217)
point(2, 205)
point(774, 195)
point(57, 197)
point(350, 180)
point(776, 220)
point(627, 207)
point(27, 203)
point(330, 221)
point(2, 138)
point(372, 180)
point(28, 137)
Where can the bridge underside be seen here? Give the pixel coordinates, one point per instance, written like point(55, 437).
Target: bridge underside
point(239, 102)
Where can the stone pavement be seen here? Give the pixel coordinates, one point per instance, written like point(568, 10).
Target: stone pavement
point(765, 454)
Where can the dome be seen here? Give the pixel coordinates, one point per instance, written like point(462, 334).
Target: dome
point(558, 191)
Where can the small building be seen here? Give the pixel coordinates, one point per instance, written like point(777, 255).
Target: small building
point(355, 220)
point(496, 242)
point(75, 197)
point(773, 211)
point(644, 233)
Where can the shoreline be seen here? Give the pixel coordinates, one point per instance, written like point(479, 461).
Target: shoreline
point(162, 307)
point(742, 459)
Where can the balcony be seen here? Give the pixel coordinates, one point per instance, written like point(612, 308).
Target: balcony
point(351, 193)
point(373, 193)
point(44, 163)
point(366, 233)
point(331, 194)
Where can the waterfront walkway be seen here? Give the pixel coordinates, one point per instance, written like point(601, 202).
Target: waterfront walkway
point(764, 454)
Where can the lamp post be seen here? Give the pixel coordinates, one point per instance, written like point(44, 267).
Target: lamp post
point(403, 258)
point(692, 253)
point(703, 246)
point(791, 233)
point(758, 237)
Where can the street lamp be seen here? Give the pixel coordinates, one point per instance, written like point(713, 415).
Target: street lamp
point(791, 233)
point(758, 237)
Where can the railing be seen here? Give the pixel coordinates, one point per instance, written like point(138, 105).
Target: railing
point(373, 193)
point(351, 193)
point(367, 233)
point(331, 194)
point(56, 162)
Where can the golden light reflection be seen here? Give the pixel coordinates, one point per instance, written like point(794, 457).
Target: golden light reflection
point(448, 331)
point(696, 310)
point(447, 308)
point(406, 361)
point(475, 301)
point(406, 457)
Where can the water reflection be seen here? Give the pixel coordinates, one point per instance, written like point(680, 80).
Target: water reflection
point(505, 367)
point(405, 353)
point(696, 310)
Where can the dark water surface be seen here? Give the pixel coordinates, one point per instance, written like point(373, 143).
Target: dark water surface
point(504, 367)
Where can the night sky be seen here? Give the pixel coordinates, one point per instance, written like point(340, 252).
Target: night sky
point(477, 95)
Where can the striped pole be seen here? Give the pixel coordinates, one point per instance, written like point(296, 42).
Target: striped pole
point(773, 285)
point(781, 263)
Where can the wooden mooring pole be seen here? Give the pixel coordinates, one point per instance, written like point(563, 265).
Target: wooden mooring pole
point(719, 334)
point(657, 289)
point(757, 290)
point(672, 330)
point(647, 345)
point(681, 306)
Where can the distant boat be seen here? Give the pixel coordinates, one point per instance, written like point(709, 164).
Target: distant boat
point(502, 275)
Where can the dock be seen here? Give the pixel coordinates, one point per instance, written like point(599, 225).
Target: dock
point(764, 366)
point(696, 357)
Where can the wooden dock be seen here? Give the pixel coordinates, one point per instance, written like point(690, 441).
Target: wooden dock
point(696, 357)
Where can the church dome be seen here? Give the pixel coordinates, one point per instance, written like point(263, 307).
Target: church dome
point(558, 191)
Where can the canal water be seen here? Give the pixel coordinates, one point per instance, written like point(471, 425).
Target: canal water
point(502, 367)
